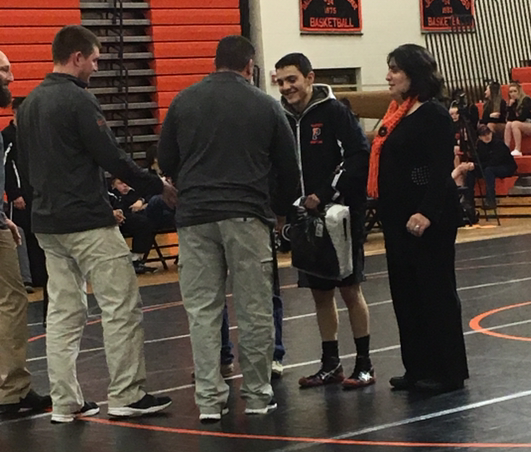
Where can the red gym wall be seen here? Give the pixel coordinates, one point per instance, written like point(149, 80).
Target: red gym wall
point(185, 33)
point(28, 27)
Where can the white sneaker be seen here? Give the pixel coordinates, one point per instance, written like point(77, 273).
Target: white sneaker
point(271, 406)
point(277, 369)
point(207, 418)
point(516, 152)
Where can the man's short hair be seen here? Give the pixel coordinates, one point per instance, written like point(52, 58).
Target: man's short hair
point(299, 60)
point(72, 39)
point(483, 130)
point(16, 102)
point(234, 53)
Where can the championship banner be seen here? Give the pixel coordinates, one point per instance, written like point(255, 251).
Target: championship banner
point(330, 16)
point(445, 15)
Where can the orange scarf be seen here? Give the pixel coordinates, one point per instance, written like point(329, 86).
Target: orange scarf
point(395, 113)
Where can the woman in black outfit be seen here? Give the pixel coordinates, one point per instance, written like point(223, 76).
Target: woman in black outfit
point(494, 109)
point(518, 117)
point(411, 165)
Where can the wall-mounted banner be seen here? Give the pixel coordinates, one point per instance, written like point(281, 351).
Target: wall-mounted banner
point(446, 15)
point(330, 16)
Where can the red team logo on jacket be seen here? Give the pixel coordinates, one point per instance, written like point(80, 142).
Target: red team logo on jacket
point(316, 133)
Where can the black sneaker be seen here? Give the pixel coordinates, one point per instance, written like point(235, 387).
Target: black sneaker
point(141, 268)
point(29, 287)
point(271, 406)
point(362, 376)
point(146, 405)
point(32, 401)
point(326, 375)
point(88, 409)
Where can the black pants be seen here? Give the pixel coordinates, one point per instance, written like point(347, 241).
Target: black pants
point(426, 304)
point(140, 228)
point(39, 275)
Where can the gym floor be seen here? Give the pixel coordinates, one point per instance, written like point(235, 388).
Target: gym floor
point(493, 412)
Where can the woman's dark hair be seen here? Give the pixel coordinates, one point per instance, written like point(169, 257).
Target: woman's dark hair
point(493, 103)
point(421, 68)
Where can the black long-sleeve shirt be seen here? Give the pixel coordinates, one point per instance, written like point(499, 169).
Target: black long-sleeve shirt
point(13, 182)
point(64, 146)
point(487, 111)
point(495, 153)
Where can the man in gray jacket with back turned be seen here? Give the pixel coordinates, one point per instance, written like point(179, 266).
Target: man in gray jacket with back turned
point(228, 145)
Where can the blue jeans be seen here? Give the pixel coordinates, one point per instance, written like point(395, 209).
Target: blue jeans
point(491, 173)
point(159, 213)
point(226, 345)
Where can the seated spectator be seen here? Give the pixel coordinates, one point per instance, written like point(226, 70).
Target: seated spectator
point(460, 171)
point(495, 109)
point(496, 162)
point(454, 113)
point(129, 212)
point(162, 216)
point(518, 117)
point(469, 110)
point(467, 206)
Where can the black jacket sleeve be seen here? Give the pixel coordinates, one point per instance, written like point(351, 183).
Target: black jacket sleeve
point(503, 111)
point(525, 110)
point(12, 184)
point(168, 148)
point(102, 145)
point(284, 166)
point(437, 134)
point(350, 181)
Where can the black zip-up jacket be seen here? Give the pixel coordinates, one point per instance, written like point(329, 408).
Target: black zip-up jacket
point(230, 149)
point(521, 114)
point(3, 224)
point(64, 146)
point(13, 182)
point(495, 153)
point(328, 135)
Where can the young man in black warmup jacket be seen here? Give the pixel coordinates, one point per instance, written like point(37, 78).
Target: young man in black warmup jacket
point(328, 135)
